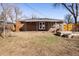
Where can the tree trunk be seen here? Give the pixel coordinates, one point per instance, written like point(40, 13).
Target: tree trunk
point(75, 20)
point(4, 30)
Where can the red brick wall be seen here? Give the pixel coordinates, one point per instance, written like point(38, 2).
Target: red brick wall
point(29, 26)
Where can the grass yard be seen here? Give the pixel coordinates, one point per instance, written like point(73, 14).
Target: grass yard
point(38, 44)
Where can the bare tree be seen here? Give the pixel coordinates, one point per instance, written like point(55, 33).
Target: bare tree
point(4, 18)
point(11, 16)
point(68, 18)
point(18, 13)
point(15, 14)
point(73, 8)
point(5, 14)
point(11, 12)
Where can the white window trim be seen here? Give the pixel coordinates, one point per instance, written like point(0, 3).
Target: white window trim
point(42, 26)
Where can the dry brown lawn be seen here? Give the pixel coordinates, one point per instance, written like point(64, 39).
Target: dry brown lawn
point(38, 44)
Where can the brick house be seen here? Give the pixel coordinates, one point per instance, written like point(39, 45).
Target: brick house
point(36, 24)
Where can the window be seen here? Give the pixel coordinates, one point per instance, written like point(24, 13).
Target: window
point(41, 25)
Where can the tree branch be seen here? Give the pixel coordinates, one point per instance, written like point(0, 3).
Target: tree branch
point(67, 8)
point(72, 7)
point(76, 10)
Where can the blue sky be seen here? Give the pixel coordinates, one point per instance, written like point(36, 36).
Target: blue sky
point(42, 10)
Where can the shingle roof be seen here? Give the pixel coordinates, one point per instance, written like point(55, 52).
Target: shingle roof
point(41, 19)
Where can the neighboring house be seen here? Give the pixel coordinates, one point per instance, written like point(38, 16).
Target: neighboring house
point(8, 26)
point(37, 24)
